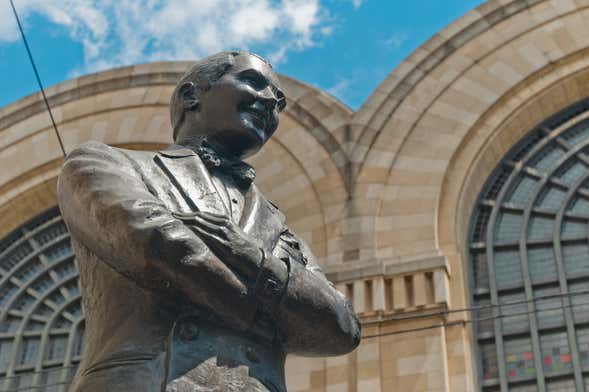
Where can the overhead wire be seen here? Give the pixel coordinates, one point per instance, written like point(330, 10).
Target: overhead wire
point(398, 332)
point(24, 38)
point(477, 308)
point(475, 320)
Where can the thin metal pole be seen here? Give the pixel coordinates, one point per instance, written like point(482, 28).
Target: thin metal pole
point(24, 38)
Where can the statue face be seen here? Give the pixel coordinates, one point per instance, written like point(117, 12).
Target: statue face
point(239, 112)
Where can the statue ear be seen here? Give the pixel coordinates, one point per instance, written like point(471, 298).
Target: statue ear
point(188, 94)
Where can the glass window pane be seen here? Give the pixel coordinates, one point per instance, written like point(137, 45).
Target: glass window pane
point(523, 191)
point(572, 172)
point(583, 343)
point(540, 228)
point(59, 251)
point(514, 310)
point(576, 259)
point(523, 388)
point(542, 264)
point(51, 233)
point(580, 302)
point(29, 351)
point(481, 271)
point(8, 261)
point(574, 229)
point(508, 227)
point(479, 232)
point(547, 157)
point(5, 354)
point(519, 359)
point(24, 380)
point(579, 206)
point(556, 355)
point(484, 317)
point(552, 199)
point(488, 353)
point(507, 268)
point(549, 311)
point(567, 385)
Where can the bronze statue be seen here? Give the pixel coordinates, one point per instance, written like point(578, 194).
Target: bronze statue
point(191, 280)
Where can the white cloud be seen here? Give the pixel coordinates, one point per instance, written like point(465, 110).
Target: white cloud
point(396, 40)
point(116, 33)
point(340, 89)
point(357, 3)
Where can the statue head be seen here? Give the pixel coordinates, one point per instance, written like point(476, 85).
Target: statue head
point(231, 100)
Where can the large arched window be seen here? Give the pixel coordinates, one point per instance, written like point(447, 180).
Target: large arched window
point(41, 319)
point(529, 254)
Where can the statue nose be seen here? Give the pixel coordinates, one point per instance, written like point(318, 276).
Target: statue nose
point(269, 102)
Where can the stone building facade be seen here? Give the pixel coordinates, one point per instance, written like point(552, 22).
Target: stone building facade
point(452, 208)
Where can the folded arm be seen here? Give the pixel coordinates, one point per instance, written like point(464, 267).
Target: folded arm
point(292, 292)
point(107, 207)
point(314, 316)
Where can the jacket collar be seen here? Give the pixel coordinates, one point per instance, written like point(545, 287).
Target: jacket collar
point(177, 151)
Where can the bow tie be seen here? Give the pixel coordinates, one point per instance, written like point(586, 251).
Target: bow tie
point(242, 173)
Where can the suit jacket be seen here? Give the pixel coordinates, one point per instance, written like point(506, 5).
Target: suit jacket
point(161, 309)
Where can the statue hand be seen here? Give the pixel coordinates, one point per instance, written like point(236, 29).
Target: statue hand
point(227, 240)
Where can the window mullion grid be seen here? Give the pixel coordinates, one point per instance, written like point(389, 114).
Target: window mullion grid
point(9, 372)
point(493, 291)
point(499, 346)
point(69, 353)
point(529, 292)
point(18, 340)
point(562, 279)
point(43, 259)
point(550, 179)
point(45, 339)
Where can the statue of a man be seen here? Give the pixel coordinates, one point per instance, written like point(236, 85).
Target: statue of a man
point(191, 279)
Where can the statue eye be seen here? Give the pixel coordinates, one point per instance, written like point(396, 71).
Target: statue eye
point(254, 80)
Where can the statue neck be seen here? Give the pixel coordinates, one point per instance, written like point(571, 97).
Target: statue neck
point(196, 143)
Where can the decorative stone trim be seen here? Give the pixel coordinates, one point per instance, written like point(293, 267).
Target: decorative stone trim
point(404, 292)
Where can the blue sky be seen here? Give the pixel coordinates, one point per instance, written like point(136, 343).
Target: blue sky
point(345, 47)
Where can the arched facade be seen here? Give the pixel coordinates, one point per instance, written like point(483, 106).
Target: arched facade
point(385, 196)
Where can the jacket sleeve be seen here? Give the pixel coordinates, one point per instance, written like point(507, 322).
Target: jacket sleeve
point(314, 317)
point(108, 208)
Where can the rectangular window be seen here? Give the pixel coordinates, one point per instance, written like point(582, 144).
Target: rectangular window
point(481, 271)
point(507, 268)
point(519, 359)
point(583, 343)
point(523, 191)
point(556, 355)
point(540, 228)
point(542, 265)
point(575, 259)
point(489, 359)
point(552, 199)
point(508, 227)
point(514, 310)
point(580, 302)
point(549, 311)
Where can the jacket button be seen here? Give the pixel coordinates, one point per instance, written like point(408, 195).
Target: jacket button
point(188, 331)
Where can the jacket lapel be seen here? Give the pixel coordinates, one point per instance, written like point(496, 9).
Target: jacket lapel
point(261, 219)
point(188, 174)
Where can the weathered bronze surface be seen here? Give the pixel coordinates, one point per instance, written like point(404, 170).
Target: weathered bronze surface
point(191, 279)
